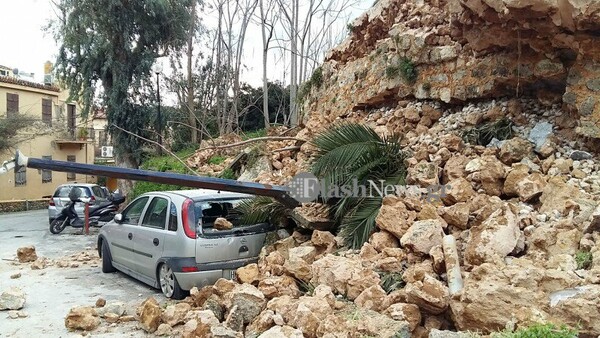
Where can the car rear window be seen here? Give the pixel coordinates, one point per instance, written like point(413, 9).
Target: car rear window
point(64, 191)
point(99, 192)
point(211, 210)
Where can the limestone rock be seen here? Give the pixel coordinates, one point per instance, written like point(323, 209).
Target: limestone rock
point(514, 176)
point(249, 300)
point(460, 190)
point(557, 194)
point(100, 302)
point(164, 330)
point(531, 187)
point(454, 168)
point(117, 308)
point(394, 217)
point(383, 239)
point(514, 150)
point(15, 275)
point(222, 224)
point(495, 238)
point(12, 299)
point(82, 318)
point(248, 274)
point(26, 254)
point(405, 312)
point(282, 332)
point(371, 298)
point(422, 236)
point(343, 275)
point(40, 263)
point(323, 239)
point(429, 295)
point(424, 174)
point(573, 307)
point(277, 286)
point(457, 215)
point(149, 313)
point(175, 314)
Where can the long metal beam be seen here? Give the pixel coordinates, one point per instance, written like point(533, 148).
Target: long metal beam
point(280, 193)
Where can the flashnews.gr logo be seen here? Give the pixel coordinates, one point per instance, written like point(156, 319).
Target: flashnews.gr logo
point(306, 187)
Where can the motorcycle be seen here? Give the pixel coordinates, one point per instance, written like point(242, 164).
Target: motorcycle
point(98, 214)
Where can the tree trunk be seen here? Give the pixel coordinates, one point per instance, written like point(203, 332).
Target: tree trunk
point(264, 70)
point(126, 186)
point(294, 64)
point(190, 80)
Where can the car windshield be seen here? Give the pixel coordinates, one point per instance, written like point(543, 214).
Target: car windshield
point(209, 211)
point(99, 192)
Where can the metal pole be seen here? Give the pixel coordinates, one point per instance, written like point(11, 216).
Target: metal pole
point(87, 218)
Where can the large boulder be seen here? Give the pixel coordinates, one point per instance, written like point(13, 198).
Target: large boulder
point(457, 215)
point(248, 274)
point(531, 187)
point(277, 286)
point(460, 190)
point(494, 239)
point(12, 299)
point(406, 312)
point(149, 315)
point(383, 239)
point(82, 318)
point(514, 150)
point(515, 175)
point(577, 307)
point(175, 314)
point(394, 217)
point(248, 300)
point(454, 168)
point(344, 275)
point(423, 174)
point(371, 298)
point(422, 236)
point(430, 295)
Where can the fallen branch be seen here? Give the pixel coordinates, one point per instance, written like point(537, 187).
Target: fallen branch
point(158, 144)
point(265, 138)
point(292, 148)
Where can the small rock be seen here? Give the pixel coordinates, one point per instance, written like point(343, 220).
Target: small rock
point(422, 236)
point(150, 314)
point(579, 155)
point(164, 330)
point(175, 314)
point(406, 312)
point(26, 254)
point(282, 332)
point(12, 314)
point(100, 302)
point(222, 224)
point(12, 299)
point(248, 274)
point(15, 276)
point(117, 308)
point(111, 317)
point(82, 318)
point(514, 150)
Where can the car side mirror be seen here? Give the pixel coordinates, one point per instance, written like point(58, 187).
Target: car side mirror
point(118, 218)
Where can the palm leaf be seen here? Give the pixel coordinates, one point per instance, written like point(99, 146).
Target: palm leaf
point(358, 224)
point(261, 209)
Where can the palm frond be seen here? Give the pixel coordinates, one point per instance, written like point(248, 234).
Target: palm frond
point(344, 134)
point(261, 209)
point(358, 223)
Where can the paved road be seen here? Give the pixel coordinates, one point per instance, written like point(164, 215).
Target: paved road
point(53, 291)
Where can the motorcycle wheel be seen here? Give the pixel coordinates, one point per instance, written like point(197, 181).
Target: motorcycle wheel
point(58, 225)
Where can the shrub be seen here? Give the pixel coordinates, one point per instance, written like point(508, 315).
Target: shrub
point(391, 281)
point(404, 68)
point(315, 81)
point(228, 174)
point(583, 259)
point(216, 159)
point(484, 133)
point(538, 330)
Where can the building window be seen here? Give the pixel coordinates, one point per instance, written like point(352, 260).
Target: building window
point(47, 111)
point(21, 176)
point(46, 174)
point(12, 104)
point(71, 119)
point(71, 176)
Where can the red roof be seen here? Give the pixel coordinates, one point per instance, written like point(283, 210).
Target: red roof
point(13, 80)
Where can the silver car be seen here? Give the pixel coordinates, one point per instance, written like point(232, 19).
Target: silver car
point(60, 199)
point(167, 240)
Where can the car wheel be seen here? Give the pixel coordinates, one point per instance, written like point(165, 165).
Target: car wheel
point(58, 225)
point(107, 266)
point(168, 283)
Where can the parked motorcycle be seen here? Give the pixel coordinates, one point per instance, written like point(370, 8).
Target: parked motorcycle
point(98, 214)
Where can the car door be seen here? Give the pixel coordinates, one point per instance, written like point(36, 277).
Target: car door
point(150, 235)
point(121, 236)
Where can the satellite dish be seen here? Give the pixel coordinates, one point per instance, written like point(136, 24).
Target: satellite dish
point(16, 71)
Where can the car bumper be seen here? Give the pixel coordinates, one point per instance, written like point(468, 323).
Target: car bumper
point(208, 273)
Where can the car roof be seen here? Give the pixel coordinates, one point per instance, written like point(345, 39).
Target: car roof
point(78, 184)
point(203, 194)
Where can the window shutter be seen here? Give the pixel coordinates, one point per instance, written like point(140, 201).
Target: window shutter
point(47, 111)
point(12, 104)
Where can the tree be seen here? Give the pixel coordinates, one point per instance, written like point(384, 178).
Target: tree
point(113, 43)
point(268, 19)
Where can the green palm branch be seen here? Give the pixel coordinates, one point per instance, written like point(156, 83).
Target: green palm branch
point(354, 151)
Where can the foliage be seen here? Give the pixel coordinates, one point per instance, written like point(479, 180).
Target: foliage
point(114, 43)
point(315, 81)
point(484, 133)
point(391, 281)
point(142, 187)
point(254, 134)
point(216, 159)
point(583, 259)
point(404, 68)
point(251, 118)
point(9, 127)
point(538, 330)
point(306, 288)
point(348, 152)
point(262, 209)
point(163, 164)
point(228, 174)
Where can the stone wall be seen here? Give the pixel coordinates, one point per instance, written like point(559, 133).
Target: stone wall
point(23, 205)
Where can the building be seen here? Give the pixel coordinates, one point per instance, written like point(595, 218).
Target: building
point(56, 132)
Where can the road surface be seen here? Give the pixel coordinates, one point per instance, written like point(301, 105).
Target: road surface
point(53, 291)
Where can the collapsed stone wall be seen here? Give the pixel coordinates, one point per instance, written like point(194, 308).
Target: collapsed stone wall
point(466, 50)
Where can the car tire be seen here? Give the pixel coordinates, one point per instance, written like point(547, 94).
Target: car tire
point(107, 266)
point(58, 225)
point(168, 282)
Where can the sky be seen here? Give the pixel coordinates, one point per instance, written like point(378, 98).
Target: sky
point(25, 45)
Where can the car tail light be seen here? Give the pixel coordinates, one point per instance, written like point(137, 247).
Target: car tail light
point(189, 269)
point(51, 202)
point(188, 218)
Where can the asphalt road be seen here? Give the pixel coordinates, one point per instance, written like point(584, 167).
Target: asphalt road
point(53, 291)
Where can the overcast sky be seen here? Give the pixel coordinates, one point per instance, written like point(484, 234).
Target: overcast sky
point(25, 45)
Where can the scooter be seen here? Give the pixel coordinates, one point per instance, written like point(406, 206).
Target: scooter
point(98, 214)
